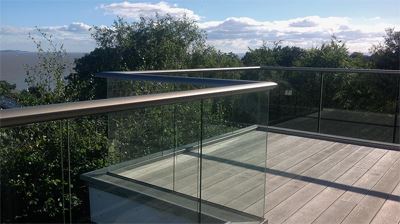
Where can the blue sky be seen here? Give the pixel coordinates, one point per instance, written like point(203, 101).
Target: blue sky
point(232, 25)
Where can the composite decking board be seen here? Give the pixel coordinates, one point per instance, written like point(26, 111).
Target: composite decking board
point(316, 147)
point(244, 174)
point(356, 197)
point(337, 211)
point(336, 149)
point(305, 193)
point(310, 211)
point(214, 173)
point(276, 184)
point(220, 168)
point(365, 211)
point(255, 148)
point(390, 211)
point(291, 186)
point(215, 150)
point(246, 196)
point(241, 177)
point(143, 169)
point(189, 167)
point(278, 148)
point(305, 151)
point(288, 207)
point(240, 187)
point(206, 167)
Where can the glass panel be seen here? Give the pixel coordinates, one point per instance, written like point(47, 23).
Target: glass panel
point(33, 165)
point(123, 87)
point(359, 106)
point(87, 151)
point(234, 155)
point(294, 102)
point(187, 139)
point(397, 115)
point(141, 145)
point(187, 159)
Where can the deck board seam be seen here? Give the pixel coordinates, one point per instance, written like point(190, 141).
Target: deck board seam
point(245, 171)
point(318, 164)
point(386, 200)
point(324, 159)
point(323, 188)
point(366, 194)
point(355, 181)
point(325, 148)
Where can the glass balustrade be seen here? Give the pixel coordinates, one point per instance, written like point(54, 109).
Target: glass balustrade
point(345, 104)
point(172, 162)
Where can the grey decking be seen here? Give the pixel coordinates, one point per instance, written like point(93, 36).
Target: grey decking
point(307, 180)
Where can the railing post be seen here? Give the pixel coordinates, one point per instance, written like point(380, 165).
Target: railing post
point(396, 112)
point(321, 92)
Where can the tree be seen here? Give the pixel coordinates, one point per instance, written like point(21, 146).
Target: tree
point(273, 56)
point(46, 78)
point(148, 44)
point(40, 163)
point(6, 88)
point(386, 55)
point(332, 55)
point(360, 60)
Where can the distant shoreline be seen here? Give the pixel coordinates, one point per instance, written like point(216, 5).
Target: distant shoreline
point(33, 52)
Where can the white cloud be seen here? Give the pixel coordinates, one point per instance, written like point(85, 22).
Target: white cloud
point(75, 37)
point(235, 34)
point(303, 23)
point(137, 10)
point(238, 33)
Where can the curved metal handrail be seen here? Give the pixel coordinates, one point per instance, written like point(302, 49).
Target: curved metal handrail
point(272, 68)
point(27, 115)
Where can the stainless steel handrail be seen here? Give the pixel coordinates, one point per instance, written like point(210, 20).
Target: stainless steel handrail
point(21, 116)
point(330, 70)
point(195, 70)
point(277, 68)
point(172, 79)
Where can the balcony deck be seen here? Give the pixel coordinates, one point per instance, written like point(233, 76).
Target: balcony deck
point(307, 181)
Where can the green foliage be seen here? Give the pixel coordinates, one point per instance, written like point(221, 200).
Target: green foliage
point(148, 44)
point(360, 60)
point(332, 55)
point(6, 88)
point(277, 55)
point(386, 55)
point(209, 57)
point(38, 159)
point(46, 78)
point(361, 92)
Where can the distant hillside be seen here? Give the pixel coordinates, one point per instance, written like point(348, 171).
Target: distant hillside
point(13, 63)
